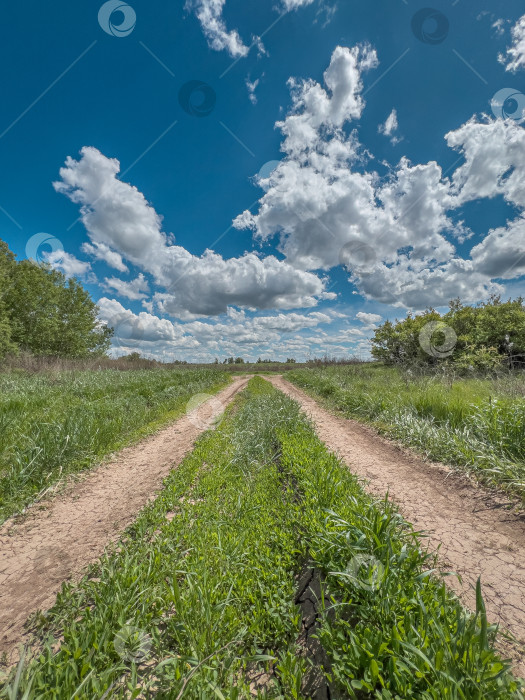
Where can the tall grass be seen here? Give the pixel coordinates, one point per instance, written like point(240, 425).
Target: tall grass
point(52, 424)
point(198, 599)
point(475, 424)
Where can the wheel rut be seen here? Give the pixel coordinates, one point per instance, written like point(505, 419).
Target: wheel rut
point(470, 528)
point(58, 538)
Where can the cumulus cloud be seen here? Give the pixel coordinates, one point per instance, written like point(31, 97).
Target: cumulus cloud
point(330, 107)
point(417, 284)
point(394, 233)
point(278, 334)
point(368, 319)
point(389, 128)
point(100, 251)
point(119, 219)
point(70, 265)
point(135, 290)
point(501, 254)
point(325, 205)
point(209, 14)
point(207, 285)
point(115, 214)
point(494, 154)
point(514, 58)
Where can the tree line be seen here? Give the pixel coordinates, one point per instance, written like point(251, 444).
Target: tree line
point(481, 337)
point(44, 313)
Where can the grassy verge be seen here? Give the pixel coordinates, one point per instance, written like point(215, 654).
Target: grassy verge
point(197, 600)
point(477, 425)
point(54, 424)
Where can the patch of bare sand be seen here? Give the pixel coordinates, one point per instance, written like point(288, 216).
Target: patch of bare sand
point(475, 533)
point(47, 547)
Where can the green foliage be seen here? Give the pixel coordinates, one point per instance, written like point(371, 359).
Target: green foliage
point(55, 424)
point(6, 263)
point(398, 343)
point(476, 424)
point(483, 336)
point(207, 576)
point(482, 359)
point(46, 314)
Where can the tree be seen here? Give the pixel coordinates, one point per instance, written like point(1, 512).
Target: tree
point(7, 263)
point(46, 313)
point(132, 357)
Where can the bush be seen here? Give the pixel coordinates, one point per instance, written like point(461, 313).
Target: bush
point(481, 337)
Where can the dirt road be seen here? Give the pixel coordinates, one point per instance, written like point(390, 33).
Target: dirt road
point(476, 534)
point(53, 545)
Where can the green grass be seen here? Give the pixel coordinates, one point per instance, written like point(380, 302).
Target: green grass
point(53, 424)
point(476, 424)
point(199, 593)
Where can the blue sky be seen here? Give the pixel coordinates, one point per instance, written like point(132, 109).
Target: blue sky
point(395, 178)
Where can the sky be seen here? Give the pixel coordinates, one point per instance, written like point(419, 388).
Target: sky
point(265, 179)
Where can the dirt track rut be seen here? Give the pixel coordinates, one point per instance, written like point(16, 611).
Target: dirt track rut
point(475, 533)
point(53, 545)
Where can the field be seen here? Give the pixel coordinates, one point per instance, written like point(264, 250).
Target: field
point(57, 423)
point(476, 424)
point(199, 597)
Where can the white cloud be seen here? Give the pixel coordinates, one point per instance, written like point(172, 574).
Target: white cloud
point(220, 38)
point(368, 319)
point(501, 254)
point(70, 265)
point(389, 128)
point(326, 207)
point(252, 87)
point(494, 165)
point(207, 285)
point(320, 205)
point(118, 218)
point(209, 14)
point(114, 213)
point(100, 251)
point(515, 55)
point(499, 27)
point(295, 4)
point(417, 284)
point(276, 335)
point(314, 106)
point(135, 290)
point(394, 233)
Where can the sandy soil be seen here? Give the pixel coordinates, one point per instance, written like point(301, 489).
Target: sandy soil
point(475, 532)
point(57, 539)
